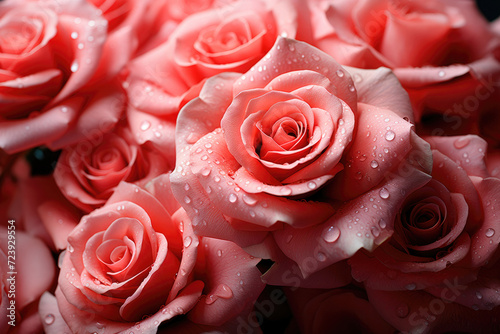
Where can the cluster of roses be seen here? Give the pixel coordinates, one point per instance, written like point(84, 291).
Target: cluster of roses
point(343, 154)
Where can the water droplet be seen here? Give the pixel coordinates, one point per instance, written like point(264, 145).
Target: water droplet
point(375, 231)
point(402, 311)
point(249, 200)
point(206, 172)
point(479, 295)
point(219, 253)
point(74, 66)
point(390, 135)
point(352, 88)
point(461, 142)
point(332, 234)
point(187, 241)
point(288, 238)
point(358, 176)
point(441, 74)
point(316, 57)
point(204, 157)
point(286, 191)
point(74, 35)
point(312, 185)
point(382, 224)
point(357, 78)
point(340, 73)
point(145, 125)
point(490, 232)
point(70, 248)
point(49, 319)
point(216, 178)
point(321, 257)
point(99, 325)
point(411, 286)
point(374, 164)
point(187, 199)
point(233, 198)
point(186, 187)
point(384, 193)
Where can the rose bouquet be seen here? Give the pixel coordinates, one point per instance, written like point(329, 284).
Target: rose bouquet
point(235, 166)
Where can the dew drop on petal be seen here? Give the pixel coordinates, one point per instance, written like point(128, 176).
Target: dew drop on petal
point(490, 232)
point(145, 125)
point(390, 135)
point(233, 198)
point(382, 224)
point(332, 234)
point(74, 35)
point(49, 319)
point(384, 193)
point(374, 164)
point(461, 143)
point(311, 185)
point(479, 295)
point(187, 241)
point(249, 200)
point(411, 286)
point(219, 253)
point(74, 66)
point(286, 191)
point(321, 257)
point(441, 74)
point(340, 73)
point(187, 199)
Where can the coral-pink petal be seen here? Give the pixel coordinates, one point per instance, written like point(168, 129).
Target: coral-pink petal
point(364, 222)
point(467, 151)
point(232, 273)
point(262, 210)
point(285, 55)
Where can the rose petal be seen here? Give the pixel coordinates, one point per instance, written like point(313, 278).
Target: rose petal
point(234, 283)
point(359, 223)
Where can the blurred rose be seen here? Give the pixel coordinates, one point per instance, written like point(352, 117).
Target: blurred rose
point(33, 273)
point(446, 233)
point(441, 51)
point(253, 158)
point(228, 38)
point(50, 52)
point(88, 173)
point(132, 265)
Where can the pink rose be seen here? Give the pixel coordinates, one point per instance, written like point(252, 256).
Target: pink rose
point(50, 51)
point(441, 51)
point(134, 264)
point(33, 272)
point(278, 151)
point(445, 236)
point(230, 38)
point(88, 173)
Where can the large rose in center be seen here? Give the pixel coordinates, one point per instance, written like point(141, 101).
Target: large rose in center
point(279, 150)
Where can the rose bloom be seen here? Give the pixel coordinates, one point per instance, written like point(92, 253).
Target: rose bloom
point(50, 52)
point(88, 172)
point(295, 149)
point(228, 38)
point(35, 272)
point(135, 264)
point(443, 256)
point(443, 52)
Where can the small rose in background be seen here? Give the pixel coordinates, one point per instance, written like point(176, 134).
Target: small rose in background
point(50, 52)
point(443, 52)
point(230, 38)
point(135, 263)
point(88, 172)
point(33, 273)
point(289, 155)
point(445, 245)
